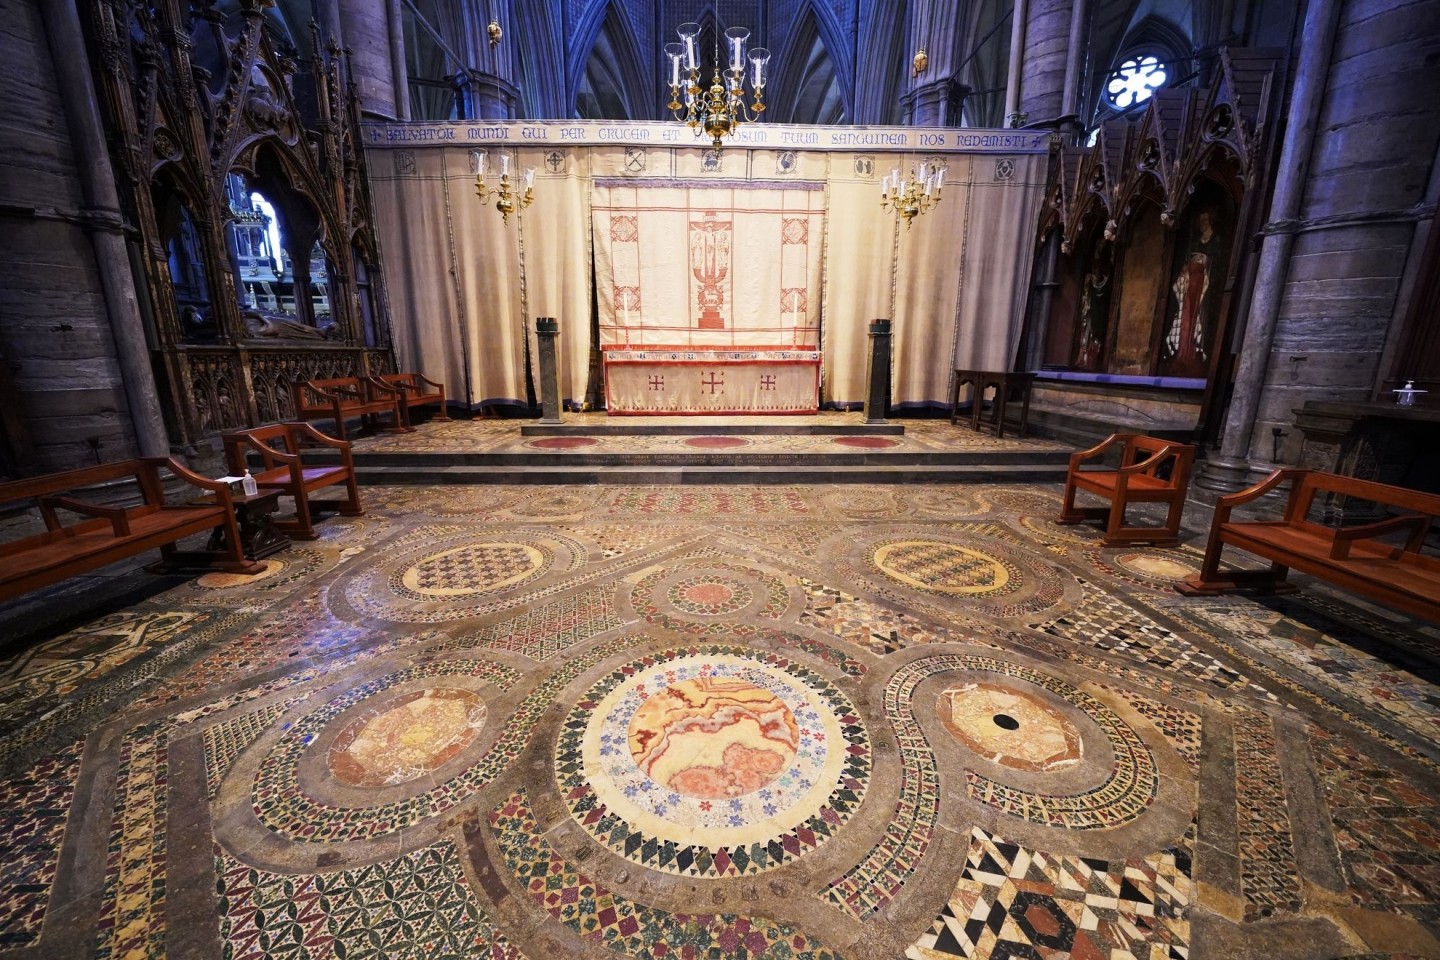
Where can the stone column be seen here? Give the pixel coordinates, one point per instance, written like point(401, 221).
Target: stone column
point(1345, 210)
point(1042, 79)
point(937, 104)
point(374, 33)
point(1018, 17)
point(547, 329)
point(1074, 58)
point(103, 221)
point(877, 372)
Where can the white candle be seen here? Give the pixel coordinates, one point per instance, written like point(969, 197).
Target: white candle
point(504, 164)
point(529, 177)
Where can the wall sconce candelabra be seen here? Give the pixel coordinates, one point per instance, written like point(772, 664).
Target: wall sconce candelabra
point(915, 195)
point(505, 196)
point(719, 110)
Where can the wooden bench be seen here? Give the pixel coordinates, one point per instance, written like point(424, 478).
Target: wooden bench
point(284, 469)
point(1138, 479)
point(410, 388)
point(1355, 558)
point(111, 533)
point(342, 397)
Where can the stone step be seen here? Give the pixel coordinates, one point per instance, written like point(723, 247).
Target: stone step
point(736, 458)
point(371, 474)
point(696, 426)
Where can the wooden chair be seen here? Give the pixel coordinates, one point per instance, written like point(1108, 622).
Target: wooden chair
point(107, 533)
point(1137, 480)
point(341, 397)
point(1364, 559)
point(284, 469)
point(410, 391)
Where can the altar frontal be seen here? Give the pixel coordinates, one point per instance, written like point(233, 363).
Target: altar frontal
point(704, 281)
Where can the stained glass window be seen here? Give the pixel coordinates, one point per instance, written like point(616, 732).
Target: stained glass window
point(1135, 81)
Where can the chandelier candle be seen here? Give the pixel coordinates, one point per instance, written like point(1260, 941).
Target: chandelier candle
point(716, 111)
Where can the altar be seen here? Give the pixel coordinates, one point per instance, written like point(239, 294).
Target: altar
point(712, 382)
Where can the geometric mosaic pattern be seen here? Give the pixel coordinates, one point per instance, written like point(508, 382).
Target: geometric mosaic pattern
point(226, 740)
point(1129, 789)
point(1387, 829)
point(1180, 727)
point(1014, 902)
point(418, 905)
point(33, 810)
point(624, 925)
point(545, 632)
point(1268, 873)
point(793, 831)
point(135, 862)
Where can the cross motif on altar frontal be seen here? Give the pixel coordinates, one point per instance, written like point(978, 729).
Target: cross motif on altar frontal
point(657, 382)
point(767, 382)
point(713, 382)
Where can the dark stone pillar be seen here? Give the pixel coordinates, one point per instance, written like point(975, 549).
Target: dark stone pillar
point(877, 373)
point(937, 104)
point(547, 329)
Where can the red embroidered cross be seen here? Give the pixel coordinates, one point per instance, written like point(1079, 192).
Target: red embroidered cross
point(713, 382)
point(657, 382)
point(767, 382)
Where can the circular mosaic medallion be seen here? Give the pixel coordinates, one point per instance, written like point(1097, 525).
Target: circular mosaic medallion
point(1010, 727)
point(866, 443)
point(675, 597)
point(562, 443)
point(1019, 500)
point(1154, 565)
point(1046, 528)
point(710, 595)
point(551, 506)
point(473, 568)
point(716, 443)
point(438, 573)
point(407, 737)
point(943, 567)
point(864, 504)
point(388, 744)
point(982, 567)
point(224, 581)
point(713, 761)
point(948, 503)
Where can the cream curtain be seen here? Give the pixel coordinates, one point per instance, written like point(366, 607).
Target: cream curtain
point(465, 289)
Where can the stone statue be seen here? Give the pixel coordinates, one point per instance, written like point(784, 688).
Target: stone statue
point(258, 324)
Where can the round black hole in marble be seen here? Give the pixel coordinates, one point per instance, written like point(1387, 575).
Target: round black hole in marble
point(1006, 722)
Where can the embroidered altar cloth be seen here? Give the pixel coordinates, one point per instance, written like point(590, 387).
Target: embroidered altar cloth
point(712, 382)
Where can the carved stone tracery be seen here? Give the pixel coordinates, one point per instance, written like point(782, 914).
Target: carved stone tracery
point(193, 92)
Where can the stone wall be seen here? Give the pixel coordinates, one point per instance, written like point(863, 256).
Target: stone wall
point(54, 330)
point(1373, 159)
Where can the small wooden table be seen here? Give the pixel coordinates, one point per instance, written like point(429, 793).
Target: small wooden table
point(255, 516)
point(1004, 383)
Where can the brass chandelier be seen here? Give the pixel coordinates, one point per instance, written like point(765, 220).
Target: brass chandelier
point(716, 111)
point(915, 195)
point(505, 196)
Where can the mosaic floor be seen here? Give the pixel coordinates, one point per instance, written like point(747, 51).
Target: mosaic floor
point(729, 722)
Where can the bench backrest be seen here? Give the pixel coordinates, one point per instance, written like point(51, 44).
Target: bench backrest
point(35, 487)
point(408, 379)
point(1181, 455)
point(1314, 482)
point(308, 397)
point(260, 439)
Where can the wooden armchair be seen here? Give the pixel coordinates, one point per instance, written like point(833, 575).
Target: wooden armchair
point(342, 397)
point(284, 469)
point(410, 390)
point(1137, 480)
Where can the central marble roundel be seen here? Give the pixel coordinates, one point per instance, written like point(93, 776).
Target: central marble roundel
point(406, 738)
point(1010, 727)
point(710, 595)
point(713, 761)
point(714, 737)
point(942, 567)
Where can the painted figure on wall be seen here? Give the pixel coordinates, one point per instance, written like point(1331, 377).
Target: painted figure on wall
point(1197, 281)
point(1094, 315)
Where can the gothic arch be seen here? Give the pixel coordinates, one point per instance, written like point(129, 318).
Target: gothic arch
point(810, 85)
point(608, 81)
